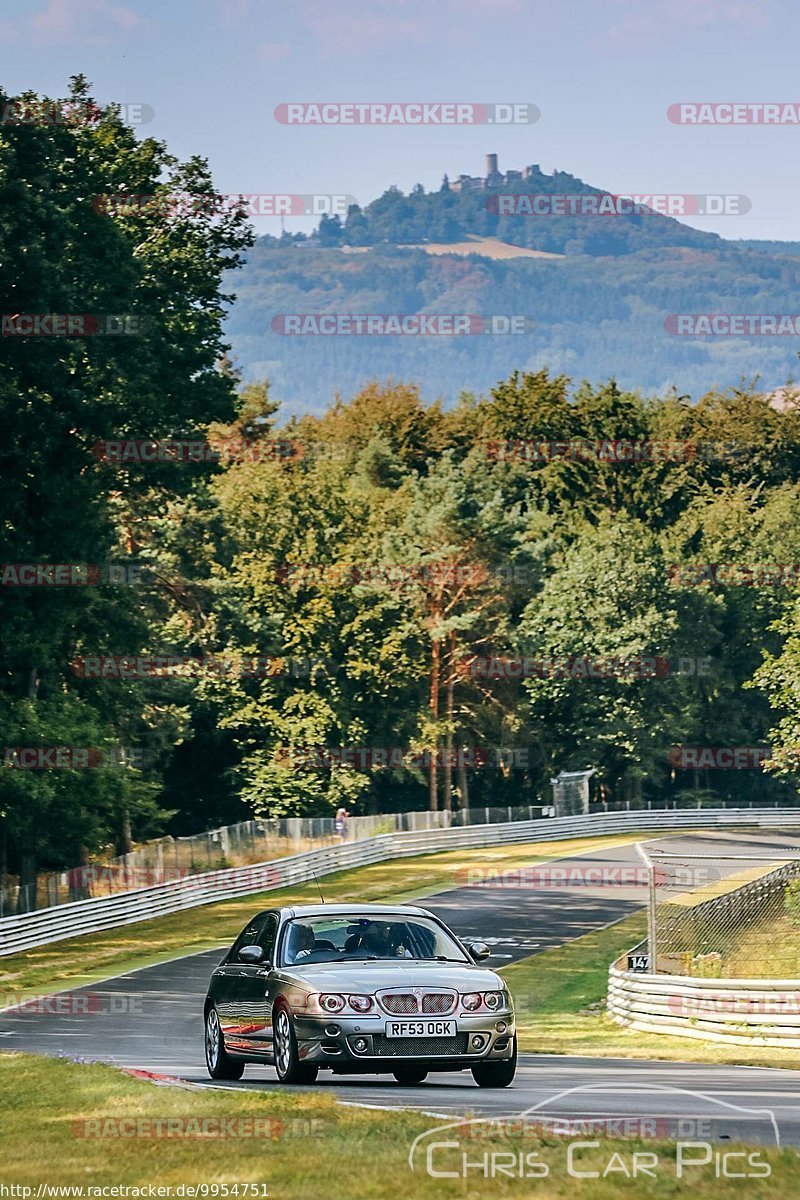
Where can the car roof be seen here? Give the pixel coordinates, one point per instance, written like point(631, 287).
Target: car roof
point(367, 910)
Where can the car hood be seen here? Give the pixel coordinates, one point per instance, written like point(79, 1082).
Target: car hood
point(373, 976)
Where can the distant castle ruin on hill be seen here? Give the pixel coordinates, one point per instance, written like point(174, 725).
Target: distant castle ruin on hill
point(492, 178)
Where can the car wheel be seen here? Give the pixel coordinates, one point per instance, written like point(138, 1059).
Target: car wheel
point(219, 1062)
point(409, 1075)
point(287, 1062)
point(496, 1074)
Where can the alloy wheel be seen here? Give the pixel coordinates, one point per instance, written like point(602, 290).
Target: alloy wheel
point(283, 1041)
point(212, 1037)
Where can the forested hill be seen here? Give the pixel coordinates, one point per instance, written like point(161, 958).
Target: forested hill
point(447, 216)
point(589, 317)
point(596, 293)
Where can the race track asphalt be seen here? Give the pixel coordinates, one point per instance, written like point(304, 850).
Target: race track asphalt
point(151, 1019)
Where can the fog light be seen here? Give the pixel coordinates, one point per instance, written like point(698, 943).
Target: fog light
point(501, 1026)
point(478, 1041)
point(360, 1045)
point(335, 1030)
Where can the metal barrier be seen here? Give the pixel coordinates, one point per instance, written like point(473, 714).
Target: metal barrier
point(27, 930)
point(712, 1007)
point(743, 1012)
point(243, 844)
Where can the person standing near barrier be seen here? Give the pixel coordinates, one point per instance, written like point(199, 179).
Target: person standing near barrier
point(342, 816)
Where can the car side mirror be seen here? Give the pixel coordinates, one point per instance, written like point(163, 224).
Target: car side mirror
point(251, 954)
point(479, 951)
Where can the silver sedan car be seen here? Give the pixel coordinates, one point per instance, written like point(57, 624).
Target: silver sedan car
point(358, 988)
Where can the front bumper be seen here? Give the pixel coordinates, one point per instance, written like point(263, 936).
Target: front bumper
point(360, 1043)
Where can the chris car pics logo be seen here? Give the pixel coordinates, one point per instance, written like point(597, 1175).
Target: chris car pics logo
point(614, 1132)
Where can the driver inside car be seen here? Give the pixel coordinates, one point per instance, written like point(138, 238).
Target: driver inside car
point(378, 938)
point(300, 943)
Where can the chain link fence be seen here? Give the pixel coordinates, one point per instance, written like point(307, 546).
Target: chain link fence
point(723, 914)
point(261, 840)
point(247, 842)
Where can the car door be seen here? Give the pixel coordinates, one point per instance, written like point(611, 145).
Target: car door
point(227, 980)
point(255, 992)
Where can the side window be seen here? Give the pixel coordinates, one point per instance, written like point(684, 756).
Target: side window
point(266, 939)
point(249, 936)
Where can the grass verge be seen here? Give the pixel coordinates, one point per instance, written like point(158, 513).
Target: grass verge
point(309, 1148)
point(766, 950)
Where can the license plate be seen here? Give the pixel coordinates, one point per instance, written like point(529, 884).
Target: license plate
point(421, 1029)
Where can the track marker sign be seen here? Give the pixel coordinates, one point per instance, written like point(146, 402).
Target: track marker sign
point(638, 962)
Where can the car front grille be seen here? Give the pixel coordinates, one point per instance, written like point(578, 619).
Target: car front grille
point(399, 1003)
point(438, 1002)
point(406, 1004)
point(433, 1047)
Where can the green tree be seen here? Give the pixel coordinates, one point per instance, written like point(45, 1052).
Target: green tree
point(64, 250)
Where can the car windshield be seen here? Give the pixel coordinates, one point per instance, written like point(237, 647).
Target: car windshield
point(393, 938)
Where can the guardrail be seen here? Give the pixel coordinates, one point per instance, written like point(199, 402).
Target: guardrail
point(743, 1012)
point(28, 930)
point(259, 840)
point(755, 1012)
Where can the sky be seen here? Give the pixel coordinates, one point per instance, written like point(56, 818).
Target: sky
point(602, 74)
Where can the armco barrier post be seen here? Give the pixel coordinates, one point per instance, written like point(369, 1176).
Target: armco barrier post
point(651, 910)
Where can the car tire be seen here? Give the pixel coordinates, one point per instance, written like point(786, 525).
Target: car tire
point(219, 1063)
point(287, 1062)
point(410, 1075)
point(497, 1074)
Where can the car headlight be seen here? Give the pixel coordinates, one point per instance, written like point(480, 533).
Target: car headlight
point(471, 1001)
point(360, 1004)
point(493, 1000)
point(331, 1002)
